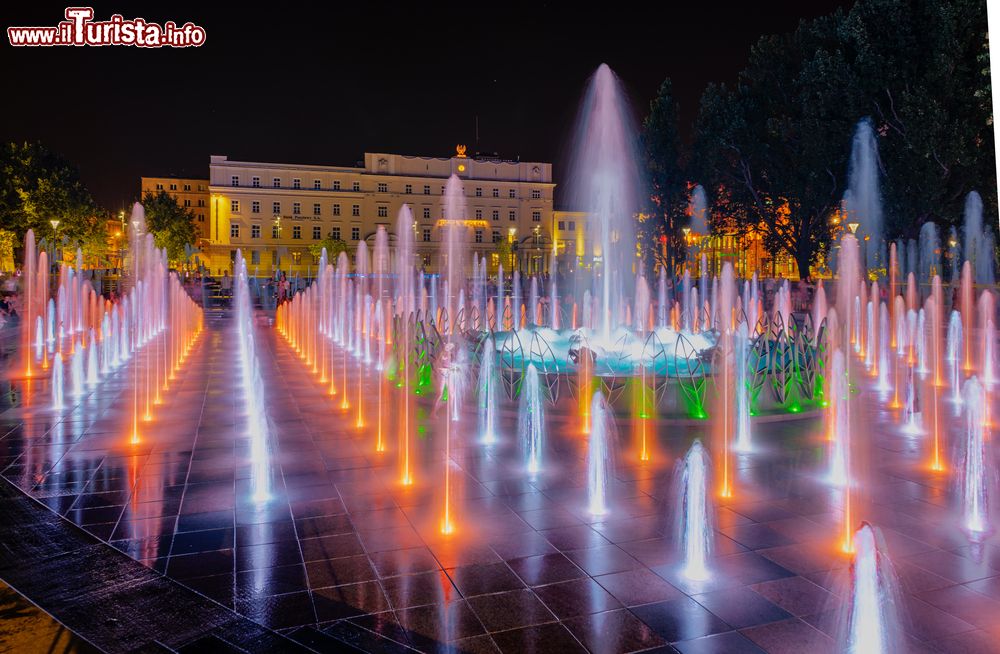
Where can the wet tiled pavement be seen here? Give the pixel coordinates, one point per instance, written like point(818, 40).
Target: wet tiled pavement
point(343, 547)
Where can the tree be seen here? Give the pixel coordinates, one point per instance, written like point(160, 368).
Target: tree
point(334, 246)
point(171, 224)
point(666, 205)
point(922, 68)
point(778, 141)
point(37, 186)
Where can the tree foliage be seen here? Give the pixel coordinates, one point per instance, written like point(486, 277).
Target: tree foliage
point(334, 246)
point(773, 148)
point(668, 188)
point(171, 224)
point(37, 186)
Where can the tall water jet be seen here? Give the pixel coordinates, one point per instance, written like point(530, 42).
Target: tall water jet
point(599, 455)
point(725, 366)
point(741, 356)
point(531, 420)
point(978, 241)
point(978, 475)
point(455, 237)
point(863, 200)
point(694, 517)
point(605, 183)
point(405, 307)
point(953, 355)
point(489, 378)
point(872, 623)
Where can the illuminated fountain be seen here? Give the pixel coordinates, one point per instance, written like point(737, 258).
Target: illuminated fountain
point(57, 384)
point(531, 421)
point(976, 475)
point(694, 518)
point(600, 456)
point(258, 429)
point(871, 625)
point(954, 354)
point(489, 397)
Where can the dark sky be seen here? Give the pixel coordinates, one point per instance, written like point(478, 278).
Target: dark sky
point(325, 84)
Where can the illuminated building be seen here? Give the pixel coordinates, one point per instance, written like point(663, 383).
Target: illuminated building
point(274, 212)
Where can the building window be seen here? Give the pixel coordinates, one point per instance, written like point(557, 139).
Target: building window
point(442, 190)
point(336, 210)
point(427, 212)
point(536, 216)
point(187, 187)
point(496, 236)
point(296, 231)
point(275, 207)
point(562, 225)
point(254, 258)
point(255, 207)
point(276, 182)
point(235, 206)
point(383, 187)
point(536, 194)
point(187, 203)
point(159, 187)
point(355, 233)
point(255, 231)
point(173, 187)
point(255, 182)
point(479, 236)
point(383, 211)
point(235, 178)
point(408, 189)
point(496, 214)
point(234, 230)
point(427, 235)
point(296, 182)
point(496, 192)
point(355, 210)
point(427, 189)
point(296, 208)
point(336, 185)
point(511, 194)
point(317, 185)
point(275, 231)
point(201, 203)
point(316, 210)
point(317, 232)
point(274, 257)
point(512, 216)
point(572, 226)
point(479, 192)
point(335, 233)
point(479, 214)
point(201, 217)
point(356, 186)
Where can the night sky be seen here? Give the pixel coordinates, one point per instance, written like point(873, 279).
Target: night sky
point(325, 85)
